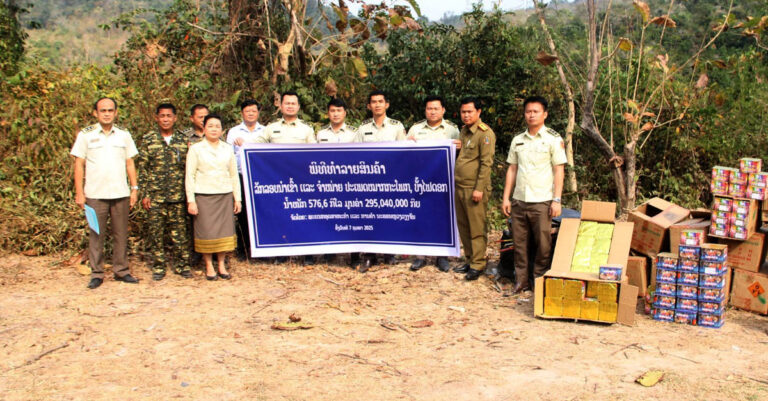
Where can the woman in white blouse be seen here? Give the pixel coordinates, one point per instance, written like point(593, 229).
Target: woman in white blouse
point(213, 196)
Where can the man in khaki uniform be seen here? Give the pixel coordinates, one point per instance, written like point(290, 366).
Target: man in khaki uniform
point(536, 170)
point(473, 186)
point(337, 131)
point(289, 128)
point(379, 128)
point(104, 159)
point(196, 116)
point(433, 127)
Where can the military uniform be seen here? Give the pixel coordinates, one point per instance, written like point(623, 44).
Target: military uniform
point(473, 173)
point(422, 131)
point(390, 130)
point(345, 134)
point(535, 156)
point(191, 136)
point(281, 131)
point(161, 178)
point(106, 191)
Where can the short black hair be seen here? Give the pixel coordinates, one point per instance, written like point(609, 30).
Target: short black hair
point(96, 103)
point(196, 108)
point(289, 93)
point(432, 98)
point(249, 102)
point(536, 99)
point(336, 102)
point(211, 117)
point(377, 92)
point(471, 99)
point(165, 106)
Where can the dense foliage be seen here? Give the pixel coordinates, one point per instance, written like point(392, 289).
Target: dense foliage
point(186, 52)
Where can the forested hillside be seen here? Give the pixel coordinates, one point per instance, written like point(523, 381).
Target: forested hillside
point(677, 87)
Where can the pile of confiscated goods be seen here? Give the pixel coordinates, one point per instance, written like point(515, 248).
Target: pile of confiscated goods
point(688, 265)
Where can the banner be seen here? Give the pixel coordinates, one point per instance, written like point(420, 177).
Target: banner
point(389, 197)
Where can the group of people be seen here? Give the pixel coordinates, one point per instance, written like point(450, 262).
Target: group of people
point(197, 173)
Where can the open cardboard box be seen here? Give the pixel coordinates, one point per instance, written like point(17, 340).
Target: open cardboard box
point(700, 219)
point(602, 212)
point(652, 219)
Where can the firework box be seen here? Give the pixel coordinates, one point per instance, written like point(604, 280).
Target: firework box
point(750, 290)
point(652, 221)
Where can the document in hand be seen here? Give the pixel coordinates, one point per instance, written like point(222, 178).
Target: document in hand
point(93, 221)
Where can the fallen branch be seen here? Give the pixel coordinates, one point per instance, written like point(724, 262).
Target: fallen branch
point(365, 361)
point(329, 280)
point(36, 358)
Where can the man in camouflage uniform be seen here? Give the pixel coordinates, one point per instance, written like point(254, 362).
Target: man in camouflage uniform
point(197, 113)
point(433, 127)
point(162, 162)
point(379, 128)
point(473, 186)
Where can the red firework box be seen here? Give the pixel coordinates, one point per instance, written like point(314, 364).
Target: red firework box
point(720, 230)
point(719, 188)
point(691, 237)
point(750, 165)
point(722, 204)
point(741, 207)
point(759, 180)
point(722, 173)
point(722, 218)
point(737, 190)
point(756, 193)
point(739, 177)
point(738, 232)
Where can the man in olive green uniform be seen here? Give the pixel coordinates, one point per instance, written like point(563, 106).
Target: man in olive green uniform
point(536, 170)
point(379, 128)
point(197, 114)
point(473, 186)
point(433, 127)
point(337, 131)
point(162, 163)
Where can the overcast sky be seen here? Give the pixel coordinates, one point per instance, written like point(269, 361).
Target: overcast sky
point(434, 9)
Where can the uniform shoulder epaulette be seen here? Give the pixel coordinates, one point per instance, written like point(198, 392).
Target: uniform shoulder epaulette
point(393, 121)
point(150, 134)
point(483, 126)
point(449, 122)
point(120, 128)
point(326, 126)
point(552, 132)
point(350, 127)
point(90, 128)
point(366, 121)
point(274, 122)
point(419, 122)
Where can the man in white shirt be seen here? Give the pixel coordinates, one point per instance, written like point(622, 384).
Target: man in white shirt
point(103, 160)
point(246, 132)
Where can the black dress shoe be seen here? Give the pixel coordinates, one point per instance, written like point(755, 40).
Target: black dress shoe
point(354, 260)
point(462, 269)
point(309, 260)
point(95, 283)
point(127, 279)
point(418, 264)
point(472, 274)
point(211, 278)
point(225, 276)
point(366, 265)
point(443, 265)
point(280, 260)
point(390, 260)
point(186, 273)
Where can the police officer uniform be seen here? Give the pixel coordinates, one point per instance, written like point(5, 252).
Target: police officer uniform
point(281, 131)
point(473, 173)
point(192, 137)
point(107, 192)
point(423, 131)
point(345, 134)
point(390, 130)
point(535, 156)
point(162, 164)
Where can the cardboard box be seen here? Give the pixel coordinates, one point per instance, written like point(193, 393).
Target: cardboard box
point(700, 220)
point(750, 290)
point(746, 255)
point(745, 213)
point(637, 273)
point(652, 220)
point(603, 212)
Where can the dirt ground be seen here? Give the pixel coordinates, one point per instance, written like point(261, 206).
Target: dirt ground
point(371, 340)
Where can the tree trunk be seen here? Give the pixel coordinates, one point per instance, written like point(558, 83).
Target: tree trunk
point(572, 183)
point(630, 171)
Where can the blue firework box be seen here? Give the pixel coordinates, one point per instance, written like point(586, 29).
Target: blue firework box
point(713, 320)
point(712, 294)
point(664, 301)
point(663, 314)
point(685, 317)
point(715, 308)
point(687, 304)
point(666, 276)
point(690, 252)
point(687, 291)
point(713, 267)
point(668, 289)
point(714, 252)
point(687, 278)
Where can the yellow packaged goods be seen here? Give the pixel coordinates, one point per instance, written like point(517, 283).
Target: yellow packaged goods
point(572, 308)
point(592, 289)
point(554, 288)
point(607, 292)
point(590, 309)
point(553, 306)
point(596, 261)
point(601, 246)
point(604, 230)
point(574, 289)
point(588, 229)
point(608, 311)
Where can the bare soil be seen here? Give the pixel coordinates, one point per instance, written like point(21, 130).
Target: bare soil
point(371, 340)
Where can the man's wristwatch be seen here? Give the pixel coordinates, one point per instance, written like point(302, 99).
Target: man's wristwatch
point(136, 187)
point(558, 200)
